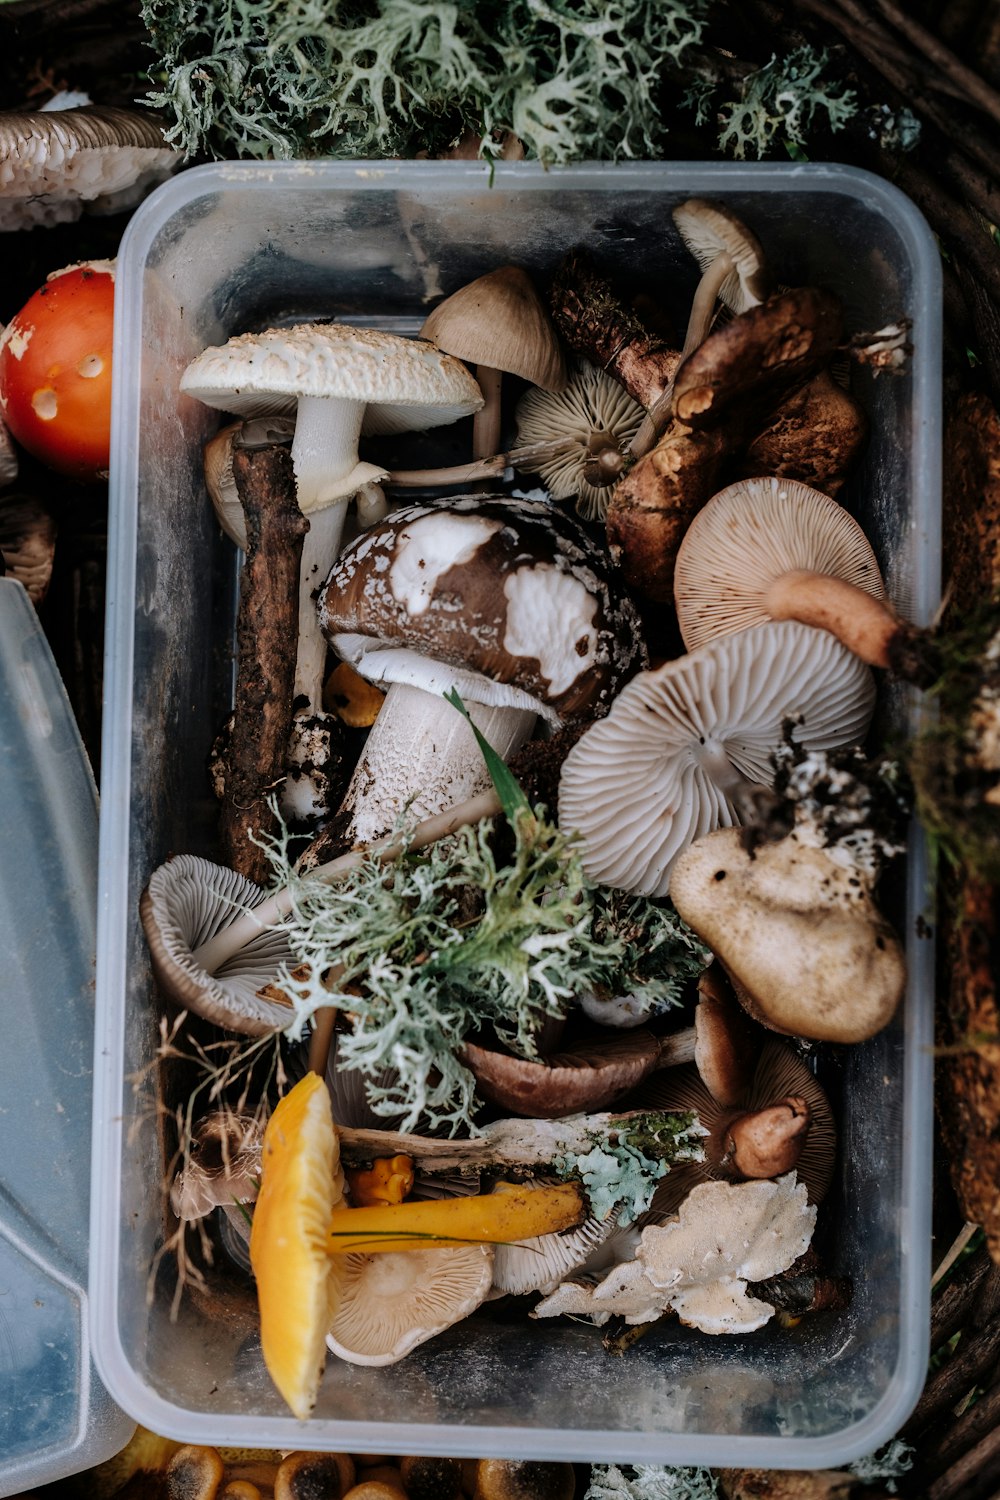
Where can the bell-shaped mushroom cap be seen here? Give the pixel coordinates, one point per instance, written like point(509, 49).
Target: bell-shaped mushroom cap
point(500, 321)
point(807, 950)
point(657, 773)
point(510, 591)
point(752, 533)
point(710, 230)
point(591, 412)
point(523, 1479)
point(189, 900)
point(391, 1302)
point(726, 1235)
point(54, 162)
point(413, 383)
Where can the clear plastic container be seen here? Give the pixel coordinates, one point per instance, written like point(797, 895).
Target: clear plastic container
point(56, 1418)
point(232, 247)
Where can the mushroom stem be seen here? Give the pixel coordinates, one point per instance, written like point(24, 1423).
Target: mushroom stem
point(865, 625)
point(703, 305)
point(486, 422)
point(325, 448)
point(419, 755)
point(769, 1142)
point(249, 924)
point(742, 793)
point(319, 551)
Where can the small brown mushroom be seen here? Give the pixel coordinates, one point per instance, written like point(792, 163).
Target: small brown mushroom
point(27, 543)
point(815, 436)
point(195, 1473)
point(524, 1479)
point(426, 1478)
point(375, 1489)
point(499, 324)
point(314, 1476)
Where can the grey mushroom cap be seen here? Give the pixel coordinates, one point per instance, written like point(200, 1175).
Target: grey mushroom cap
point(53, 163)
point(187, 902)
point(657, 772)
point(513, 591)
point(752, 533)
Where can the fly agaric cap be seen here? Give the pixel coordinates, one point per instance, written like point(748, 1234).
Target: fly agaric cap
point(189, 900)
point(54, 162)
point(590, 413)
point(749, 364)
point(807, 950)
point(731, 260)
point(753, 533)
point(724, 1236)
point(333, 378)
point(511, 595)
point(500, 321)
point(683, 743)
point(391, 1302)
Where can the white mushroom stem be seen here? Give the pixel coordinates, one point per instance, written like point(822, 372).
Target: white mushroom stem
point(864, 624)
point(705, 297)
point(324, 448)
point(211, 956)
point(504, 1143)
point(734, 786)
point(422, 755)
point(319, 551)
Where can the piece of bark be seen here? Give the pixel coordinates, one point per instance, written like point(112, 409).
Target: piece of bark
point(266, 639)
point(974, 1358)
point(975, 1476)
point(954, 1301)
point(961, 1435)
point(598, 326)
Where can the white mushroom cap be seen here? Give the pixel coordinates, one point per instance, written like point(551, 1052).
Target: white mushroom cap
point(658, 772)
point(752, 533)
point(54, 162)
point(393, 1301)
point(591, 405)
point(189, 900)
point(626, 1292)
point(724, 1236)
point(328, 374)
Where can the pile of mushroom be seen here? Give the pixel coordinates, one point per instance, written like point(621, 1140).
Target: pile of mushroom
point(541, 629)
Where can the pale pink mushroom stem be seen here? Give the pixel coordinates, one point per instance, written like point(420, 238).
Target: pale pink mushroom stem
point(865, 625)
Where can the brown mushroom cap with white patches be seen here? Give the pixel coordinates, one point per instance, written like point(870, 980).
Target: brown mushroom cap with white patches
point(188, 901)
point(666, 763)
point(592, 412)
point(753, 533)
point(391, 1302)
point(807, 950)
point(511, 593)
point(54, 162)
point(726, 1235)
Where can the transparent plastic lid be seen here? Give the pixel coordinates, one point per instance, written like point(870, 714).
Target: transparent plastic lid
point(55, 1416)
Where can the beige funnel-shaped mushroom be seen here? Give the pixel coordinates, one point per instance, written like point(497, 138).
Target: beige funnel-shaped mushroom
point(684, 748)
point(392, 1302)
point(749, 554)
point(799, 934)
point(725, 1236)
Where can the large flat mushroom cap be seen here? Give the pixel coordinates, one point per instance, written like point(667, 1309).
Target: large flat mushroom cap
point(264, 374)
point(511, 590)
point(637, 785)
point(393, 1301)
point(752, 533)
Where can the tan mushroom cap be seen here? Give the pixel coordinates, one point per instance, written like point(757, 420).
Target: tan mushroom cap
point(799, 934)
point(314, 1476)
point(53, 162)
point(655, 774)
point(752, 533)
point(391, 1302)
point(591, 412)
point(717, 238)
point(524, 1479)
point(500, 321)
point(194, 1473)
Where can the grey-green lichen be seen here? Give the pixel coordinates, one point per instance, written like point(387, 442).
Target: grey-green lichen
point(450, 941)
point(623, 1167)
point(375, 78)
point(650, 1482)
